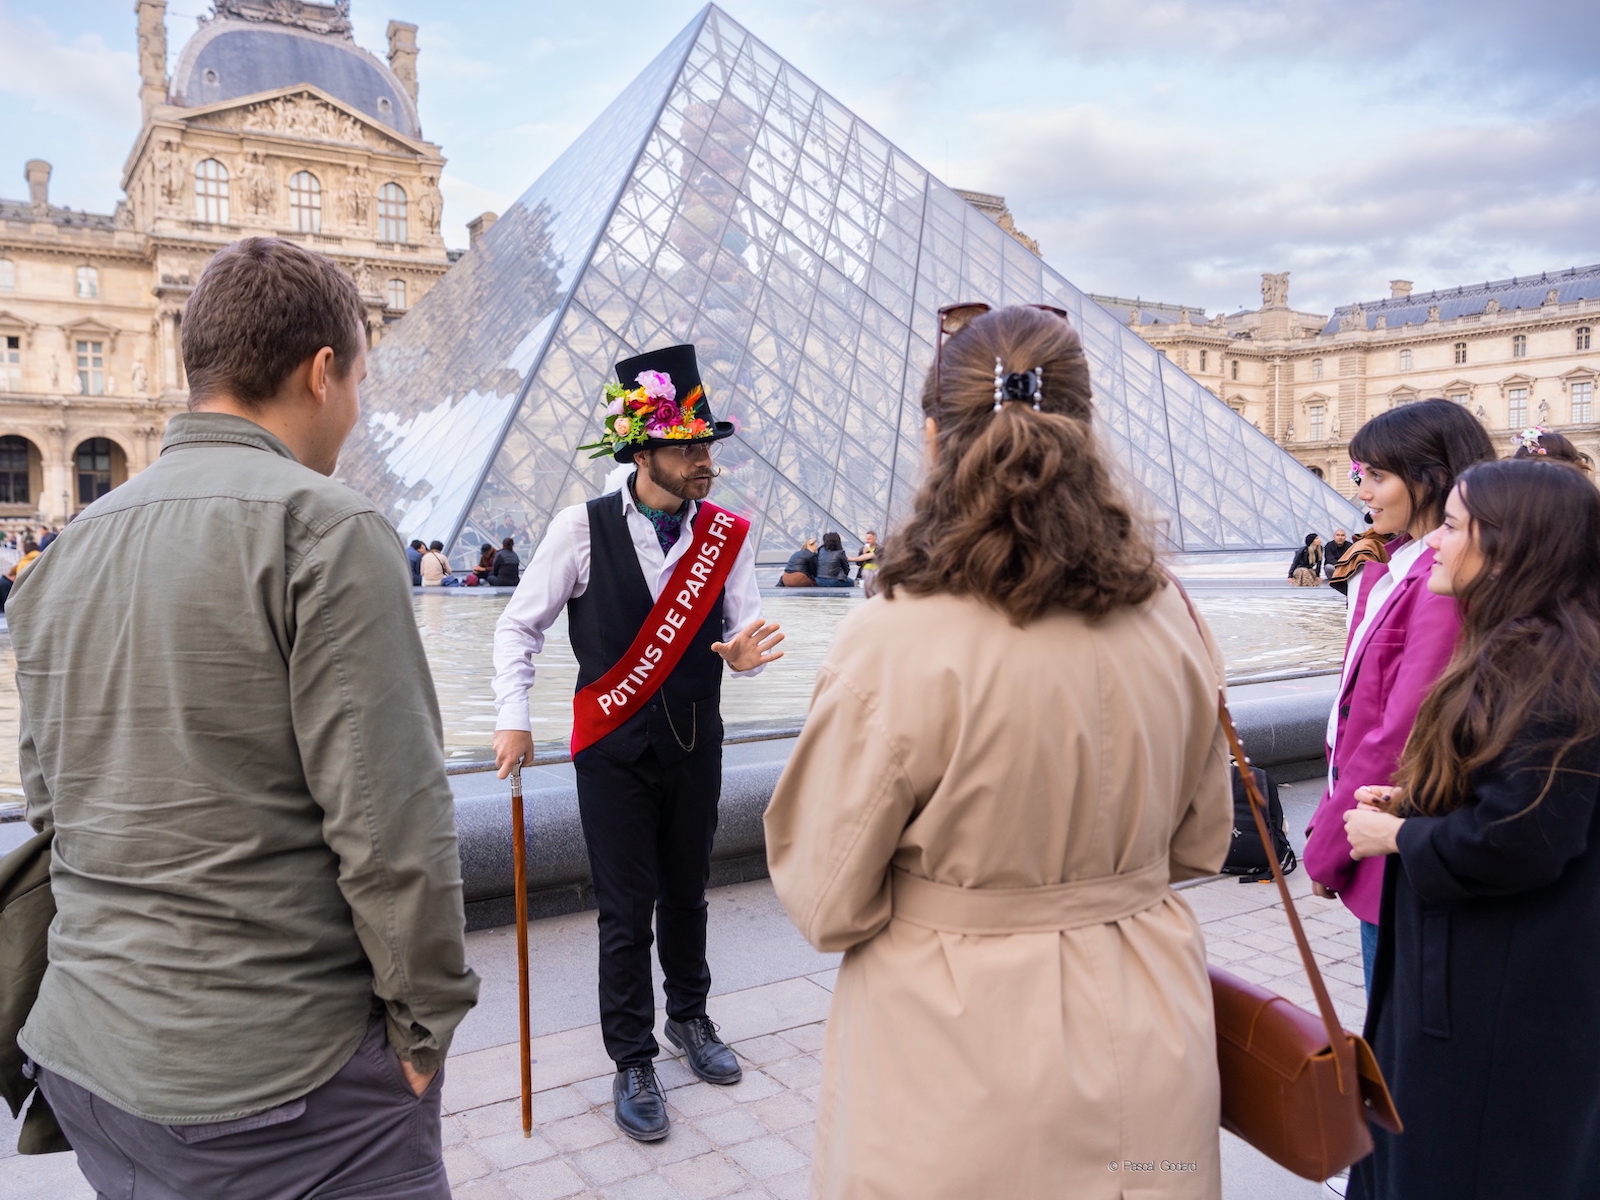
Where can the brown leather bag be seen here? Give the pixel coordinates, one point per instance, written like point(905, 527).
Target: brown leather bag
point(1295, 1085)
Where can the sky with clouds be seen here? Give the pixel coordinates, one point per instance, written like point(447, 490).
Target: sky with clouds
point(1171, 149)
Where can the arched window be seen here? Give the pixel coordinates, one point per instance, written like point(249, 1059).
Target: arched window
point(1316, 368)
point(1405, 360)
point(1582, 340)
point(8, 275)
point(88, 283)
point(211, 192)
point(1317, 471)
point(93, 462)
point(397, 293)
point(305, 202)
point(14, 471)
point(1519, 346)
point(1461, 353)
point(391, 213)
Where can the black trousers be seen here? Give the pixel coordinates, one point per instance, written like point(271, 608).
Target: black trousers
point(648, 827)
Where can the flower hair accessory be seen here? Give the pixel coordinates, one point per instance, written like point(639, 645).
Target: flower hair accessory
point(1019, 385)
point(1355, 472)
point(1528, 439)
point(649, 410)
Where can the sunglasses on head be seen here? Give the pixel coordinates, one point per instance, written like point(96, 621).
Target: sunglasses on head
point(953, 318)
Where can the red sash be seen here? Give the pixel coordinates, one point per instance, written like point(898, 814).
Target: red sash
point(685, 603)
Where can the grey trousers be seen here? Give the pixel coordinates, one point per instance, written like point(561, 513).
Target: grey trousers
point(363, 1135)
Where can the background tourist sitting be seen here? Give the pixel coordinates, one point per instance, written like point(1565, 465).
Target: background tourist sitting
point(801, 569)
point(1306, 569)
point(485, 566)
point(833, 564)
point(435, 566)
point(414, 554)
point(506, 569)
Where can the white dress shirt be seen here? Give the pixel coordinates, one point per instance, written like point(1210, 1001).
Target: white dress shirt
point(559, 571)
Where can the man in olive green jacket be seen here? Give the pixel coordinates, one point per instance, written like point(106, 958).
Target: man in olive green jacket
point(257, 961)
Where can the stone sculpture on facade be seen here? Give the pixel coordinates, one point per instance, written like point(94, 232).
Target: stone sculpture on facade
point(357, 197)
point(255, 184)
point(1275, 290)
point(429, 207)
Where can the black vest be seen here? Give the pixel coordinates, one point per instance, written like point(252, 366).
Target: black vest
point(685, 714)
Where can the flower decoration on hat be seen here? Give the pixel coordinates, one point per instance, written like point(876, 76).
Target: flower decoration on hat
point(1528, 440)
point(648, 411)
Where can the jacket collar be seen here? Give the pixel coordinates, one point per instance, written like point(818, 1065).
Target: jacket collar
point(1412, 578)
point(211, 428)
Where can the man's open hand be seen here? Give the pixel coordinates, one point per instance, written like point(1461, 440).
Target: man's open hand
point(512, 748)
point(751, 649)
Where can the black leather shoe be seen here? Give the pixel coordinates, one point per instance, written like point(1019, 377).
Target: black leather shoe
point(641, 1110)
point(707, 1055)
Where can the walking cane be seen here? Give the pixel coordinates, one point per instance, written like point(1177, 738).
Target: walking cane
point(519, 875)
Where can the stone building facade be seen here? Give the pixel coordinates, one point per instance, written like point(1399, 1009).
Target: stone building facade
point(274, 122)
point(1518, 352)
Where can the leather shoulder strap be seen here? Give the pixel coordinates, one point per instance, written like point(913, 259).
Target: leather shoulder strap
point(1343, 1052)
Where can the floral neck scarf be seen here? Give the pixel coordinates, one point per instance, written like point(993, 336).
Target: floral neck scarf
point(668, 526)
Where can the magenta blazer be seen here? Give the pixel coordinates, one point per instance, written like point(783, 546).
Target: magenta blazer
point(1405, 651)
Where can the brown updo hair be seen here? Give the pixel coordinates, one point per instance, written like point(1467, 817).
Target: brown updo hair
point(1019, 508)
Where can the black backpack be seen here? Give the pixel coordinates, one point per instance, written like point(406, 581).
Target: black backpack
point(1247, 858)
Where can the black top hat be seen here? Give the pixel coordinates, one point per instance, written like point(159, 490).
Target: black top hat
point(681, 371)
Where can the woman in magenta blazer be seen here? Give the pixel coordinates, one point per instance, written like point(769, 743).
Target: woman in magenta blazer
point(1401, 634)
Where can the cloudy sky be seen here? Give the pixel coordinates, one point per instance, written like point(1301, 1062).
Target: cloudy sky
point(1172, 150)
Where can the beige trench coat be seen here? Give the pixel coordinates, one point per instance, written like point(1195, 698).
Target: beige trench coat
point(986, 819)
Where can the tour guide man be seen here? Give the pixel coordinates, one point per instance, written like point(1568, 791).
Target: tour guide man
point(653, 579)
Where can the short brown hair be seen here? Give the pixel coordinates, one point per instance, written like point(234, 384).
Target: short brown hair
point(1020, 508)
point(262, 307)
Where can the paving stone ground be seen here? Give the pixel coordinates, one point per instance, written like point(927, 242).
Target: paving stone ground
point(754, 1139)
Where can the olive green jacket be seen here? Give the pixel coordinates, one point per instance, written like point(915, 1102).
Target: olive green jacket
point(228, 720)
point(25, 912)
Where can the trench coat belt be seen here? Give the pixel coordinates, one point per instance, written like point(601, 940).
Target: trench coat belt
point(1052, 907)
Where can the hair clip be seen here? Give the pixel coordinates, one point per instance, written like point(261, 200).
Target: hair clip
point(1355, 472)
point(1019, 385)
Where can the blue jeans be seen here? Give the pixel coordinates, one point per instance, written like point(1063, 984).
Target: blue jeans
point(821, 582)
point(1369, 952)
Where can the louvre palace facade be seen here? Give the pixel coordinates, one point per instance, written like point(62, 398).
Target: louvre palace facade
point(274, 122)
point(1517, 352)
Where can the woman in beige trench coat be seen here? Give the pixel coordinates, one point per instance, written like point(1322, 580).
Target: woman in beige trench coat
point(1009, 757)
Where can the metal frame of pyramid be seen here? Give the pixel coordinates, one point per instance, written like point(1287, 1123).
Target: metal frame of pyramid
point(726, 200)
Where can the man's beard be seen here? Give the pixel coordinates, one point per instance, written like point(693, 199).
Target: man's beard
point(693, 484)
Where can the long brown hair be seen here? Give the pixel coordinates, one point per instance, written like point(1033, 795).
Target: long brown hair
point(1529, 655)
point(1019, 508)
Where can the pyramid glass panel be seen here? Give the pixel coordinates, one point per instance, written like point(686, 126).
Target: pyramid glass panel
point(725, 199)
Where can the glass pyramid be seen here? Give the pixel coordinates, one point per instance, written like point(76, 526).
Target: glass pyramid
point(724, 200)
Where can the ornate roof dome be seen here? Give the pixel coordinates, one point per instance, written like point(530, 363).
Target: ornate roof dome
point(251, 46)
